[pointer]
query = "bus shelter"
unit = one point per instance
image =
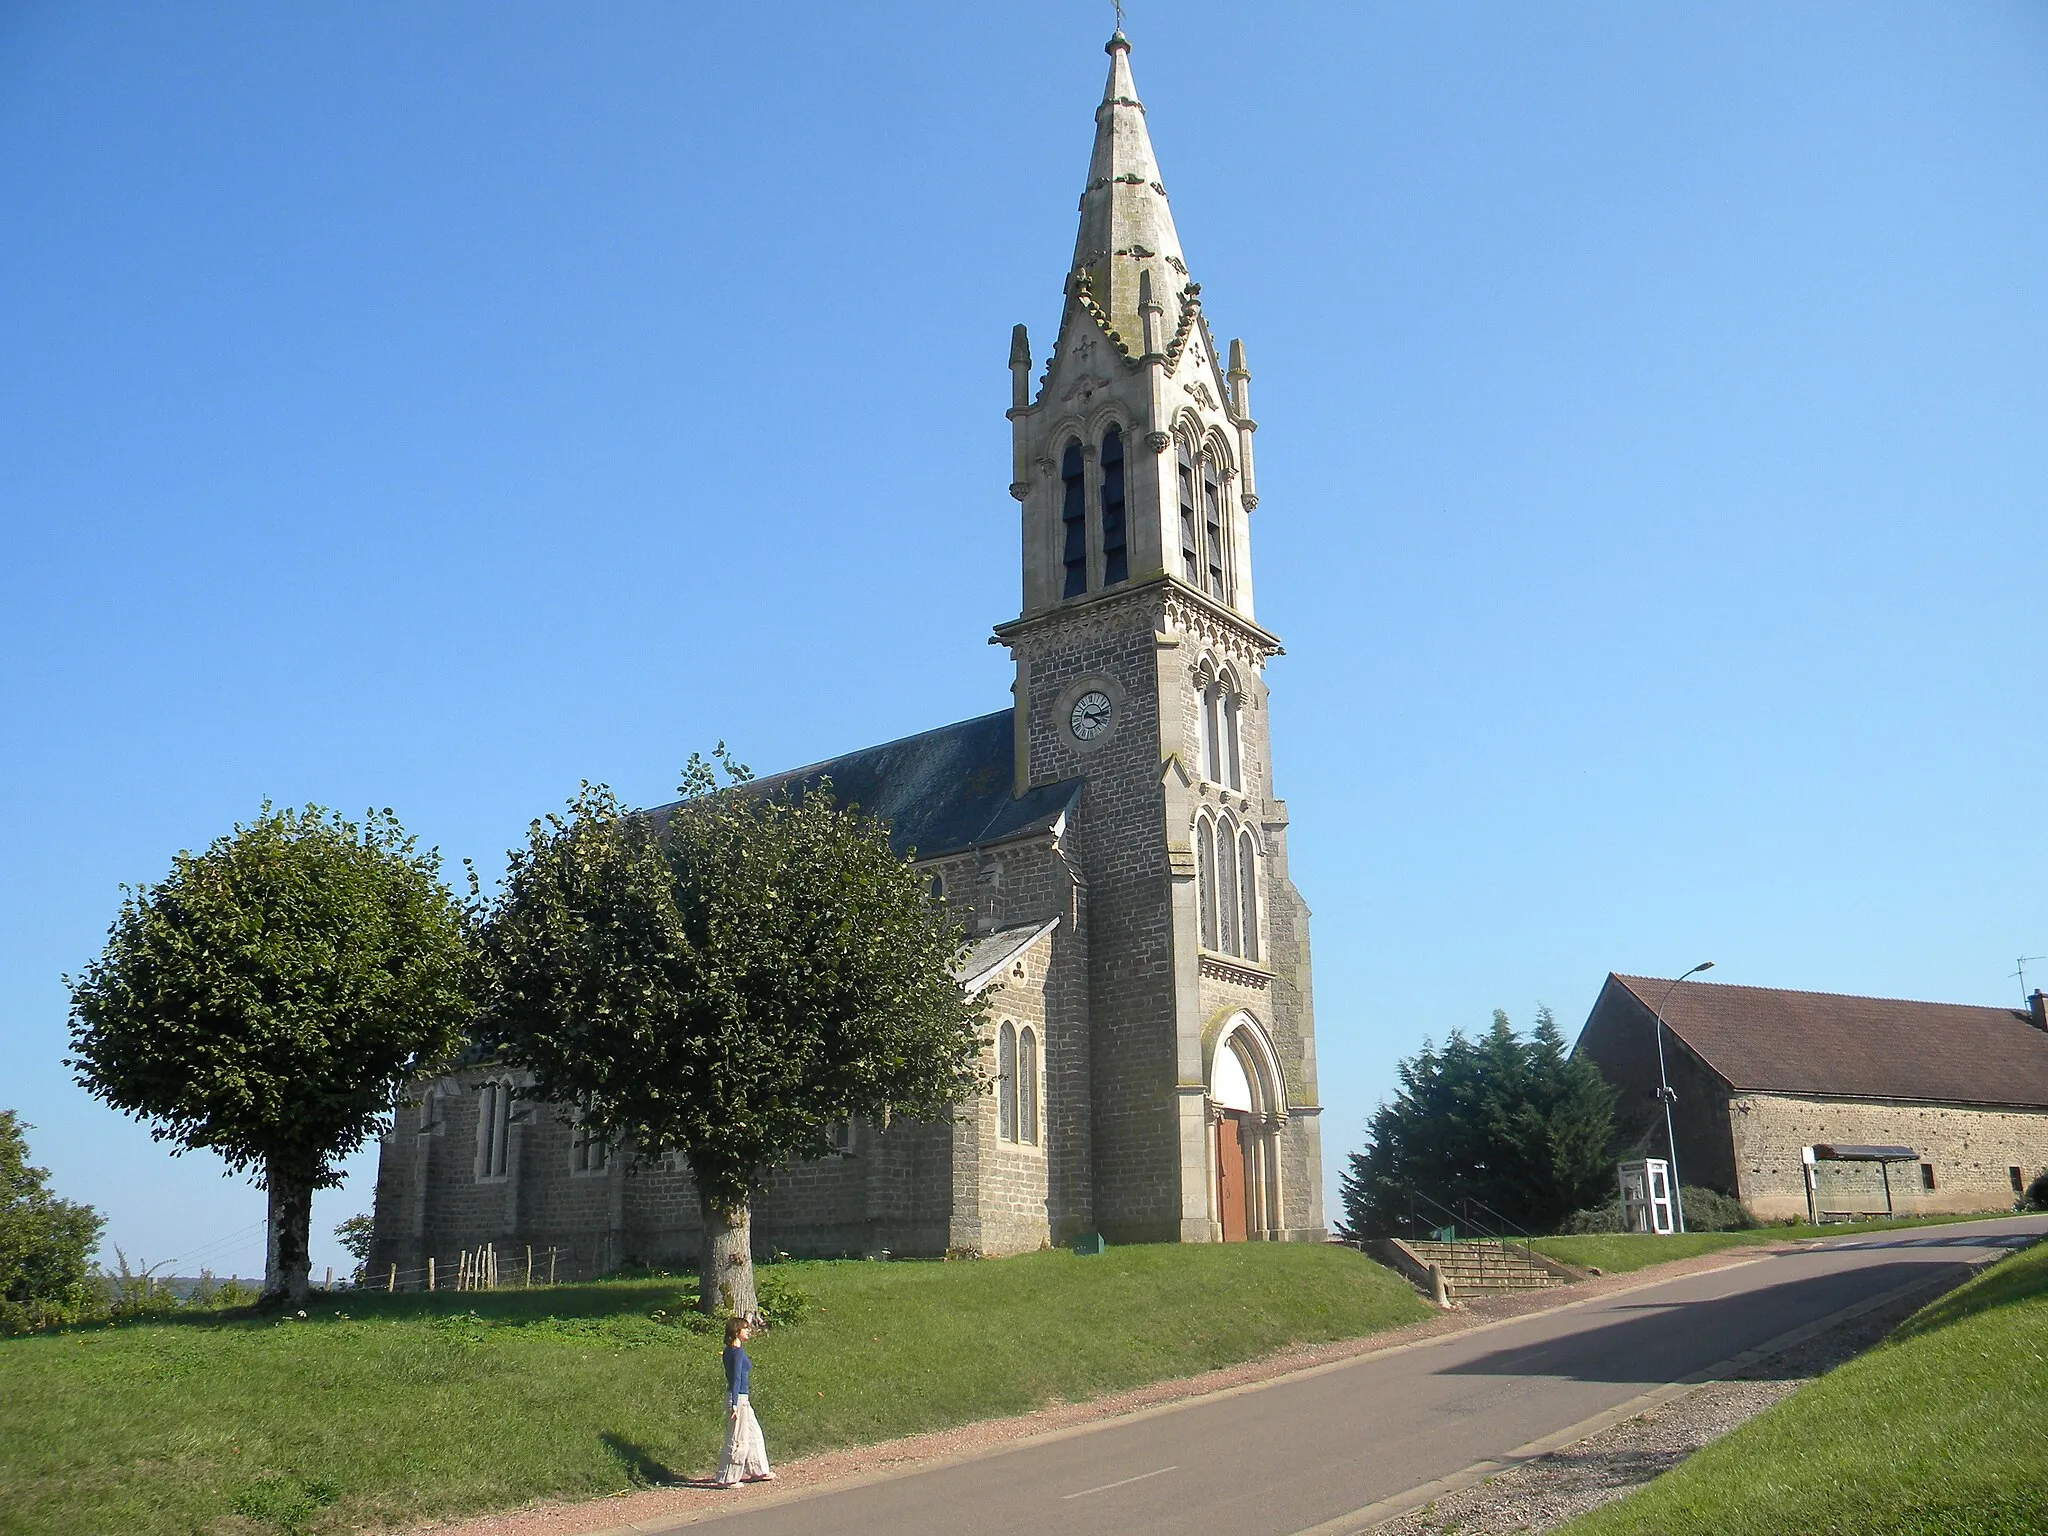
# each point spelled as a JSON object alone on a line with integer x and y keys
{"x": 1845, "y": 1181}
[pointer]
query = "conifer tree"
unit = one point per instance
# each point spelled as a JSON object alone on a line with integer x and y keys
{"x": 1520, "y": 1124}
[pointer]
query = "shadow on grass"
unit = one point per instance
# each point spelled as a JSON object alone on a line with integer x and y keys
{"x": 596, "y": 1300}
{"x": 642, "y": 1468}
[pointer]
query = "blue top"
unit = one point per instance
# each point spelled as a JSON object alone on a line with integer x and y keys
{"x": 737, "y": 1368}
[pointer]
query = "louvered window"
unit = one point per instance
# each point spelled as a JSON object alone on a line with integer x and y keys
{"x": 1116, "y": 565}
{"x": 1190, "y": 536}
{"x": 1074, "y": 518}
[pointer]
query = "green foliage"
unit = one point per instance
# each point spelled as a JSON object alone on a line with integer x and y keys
{"x": 727, "y": 979}
{"x": 2036, "y": 1197}
{"x": 413, "y": 1408}
{"x": 46, "y": 1244}
{"x": 269, "y": 995}
{"x": 783, "y": 1303}
{"x": 1708, "y": 1210}
{"x": 355, "y": 1235}
{"x": 1933, "y": 1433}
{"x": 1593, "y": 1218}
{"x": 1520, "y": 1124}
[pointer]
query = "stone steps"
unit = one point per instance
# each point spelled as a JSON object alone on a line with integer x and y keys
{"x": 1479, "y": 1267}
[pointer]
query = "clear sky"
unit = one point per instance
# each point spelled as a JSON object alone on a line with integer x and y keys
{"x": 433, "y": 406}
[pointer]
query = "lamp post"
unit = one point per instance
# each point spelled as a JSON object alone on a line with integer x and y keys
{"x": 1664, "y": 1092}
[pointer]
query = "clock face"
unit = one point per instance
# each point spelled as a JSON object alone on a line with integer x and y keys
{"x": 1090, "y": 717}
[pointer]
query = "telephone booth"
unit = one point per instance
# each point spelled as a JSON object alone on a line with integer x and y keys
{"x": 1646, "y": 1196}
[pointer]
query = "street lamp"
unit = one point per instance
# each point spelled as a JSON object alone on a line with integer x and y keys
{"x": 1664, "y": 1092}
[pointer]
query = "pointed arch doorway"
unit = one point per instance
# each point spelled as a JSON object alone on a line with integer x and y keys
{"x": 1247, "y": 1109}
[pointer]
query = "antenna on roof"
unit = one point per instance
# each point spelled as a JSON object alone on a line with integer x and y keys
{"x": 2022, "y": 974}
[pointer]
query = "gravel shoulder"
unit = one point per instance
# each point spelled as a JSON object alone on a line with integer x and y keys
{"x": 1544, "y": 1493}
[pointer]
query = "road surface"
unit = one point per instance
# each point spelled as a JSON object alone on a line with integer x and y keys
{"x": 1315, "y": 1452}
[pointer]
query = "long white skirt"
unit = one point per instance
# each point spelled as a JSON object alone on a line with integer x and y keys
{"x": 745, "y": 1455}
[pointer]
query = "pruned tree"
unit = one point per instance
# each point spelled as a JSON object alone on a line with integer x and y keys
{"x": 46, "y": 1243}
{"x": 727, "y": 980}
{"x": 267, "y": 998}
{"x": 1520, "y": 1124}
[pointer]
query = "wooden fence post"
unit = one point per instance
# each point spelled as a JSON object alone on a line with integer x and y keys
{"x": 392, "y": 1283}
{"x": 430, "y": 1271}
{"x": 330, "y": 1277}
{"x": 529, "y": 1266}
{"x": 551, "y": 1264}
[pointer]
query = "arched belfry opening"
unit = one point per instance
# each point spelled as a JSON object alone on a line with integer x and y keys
{"x": 1247, "y": 1109}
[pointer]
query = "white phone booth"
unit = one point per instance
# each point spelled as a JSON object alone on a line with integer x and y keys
{"x": 1646, "y": 1196}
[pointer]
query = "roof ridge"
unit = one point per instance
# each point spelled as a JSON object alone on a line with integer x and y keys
{"x": 875, "y": 746}
{"x": 1855, "y": 997}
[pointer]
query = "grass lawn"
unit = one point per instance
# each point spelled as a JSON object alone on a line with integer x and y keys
{"x": 1616, "y": 1253}
{"x": 1936, "y": 1432}
{"x": 392, "y": 1409}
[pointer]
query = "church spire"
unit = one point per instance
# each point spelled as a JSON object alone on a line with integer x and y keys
{"x": 1127, "y": 233}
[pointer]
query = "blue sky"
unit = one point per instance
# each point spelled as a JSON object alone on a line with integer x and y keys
{"x": 433, "y": 407}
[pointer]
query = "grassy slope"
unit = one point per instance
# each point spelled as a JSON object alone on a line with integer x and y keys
{"x": 1618, "y": 1252}
{"x": 408, "y": 1407}
{"x": 1938, "y": 1430}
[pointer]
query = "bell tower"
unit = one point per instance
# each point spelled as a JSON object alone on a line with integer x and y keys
{"x": 1141, "y": 669}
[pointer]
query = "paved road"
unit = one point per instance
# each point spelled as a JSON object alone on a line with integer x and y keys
{"x": 1297, "y": 1453}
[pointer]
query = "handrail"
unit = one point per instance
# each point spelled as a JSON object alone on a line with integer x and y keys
{"x": 1464, "y": 1214}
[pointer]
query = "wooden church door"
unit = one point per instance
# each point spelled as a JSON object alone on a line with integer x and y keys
{"x": 1230, "y": 1180}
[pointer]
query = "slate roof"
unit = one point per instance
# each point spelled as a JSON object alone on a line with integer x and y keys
{"x": 940, "y": 791}
{"x": 1835, "y": 1046}
{"x": 985, "y": 958}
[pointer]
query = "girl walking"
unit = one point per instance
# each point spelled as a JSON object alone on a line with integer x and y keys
{"x": 745, "y": 1459}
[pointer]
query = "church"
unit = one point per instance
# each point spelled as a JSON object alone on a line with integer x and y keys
{"x": 1111, "y": 843}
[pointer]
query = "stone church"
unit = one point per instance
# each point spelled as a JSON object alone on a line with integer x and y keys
{"x": 1111, "y": 842}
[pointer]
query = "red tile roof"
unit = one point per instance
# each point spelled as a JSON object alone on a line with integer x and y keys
{"x": 1764, "y": 1039}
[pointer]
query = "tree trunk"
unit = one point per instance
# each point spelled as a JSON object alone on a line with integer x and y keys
{"x": 287, "y": 1257}
{"x": 727, "y": 1284}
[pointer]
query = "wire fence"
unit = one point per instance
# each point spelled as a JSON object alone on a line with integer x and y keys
{"x": 482, "y": 1268}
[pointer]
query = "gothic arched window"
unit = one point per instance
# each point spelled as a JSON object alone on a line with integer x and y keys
{"x": 1221, "y": 755}
{"x": 588, "y": 1152}
{"x": 1027, "y": 1086}
{"x": 1190, "y": 535}
{"x": 1228, "y": 705}
{"x": 493, "y": 1129}
{"x": 1226, "y": 890}
{"x": 1212, "y": 510}
{"x": 1116, "y": 565}
{"x": 1248, "y": 893}
{"x": 1074, "y": 519}
{"x": 1205, "y": 878}
{"x": 1006, "y": 1082}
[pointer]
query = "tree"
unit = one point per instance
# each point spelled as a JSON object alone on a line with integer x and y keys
{"x": 1522, "y": 1125}
{"x": 727, "y": 980}
{"x": 266, "y": 999}
{"x": 46, "y": 1244}
{"x": 355, "y": 1236}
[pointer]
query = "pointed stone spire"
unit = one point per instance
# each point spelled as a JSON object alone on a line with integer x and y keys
{"x": 1126, "y": 226}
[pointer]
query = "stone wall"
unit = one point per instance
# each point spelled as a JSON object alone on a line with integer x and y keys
{"x": 1972, "y": 1151}
{"x": 1115, "y": 837}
